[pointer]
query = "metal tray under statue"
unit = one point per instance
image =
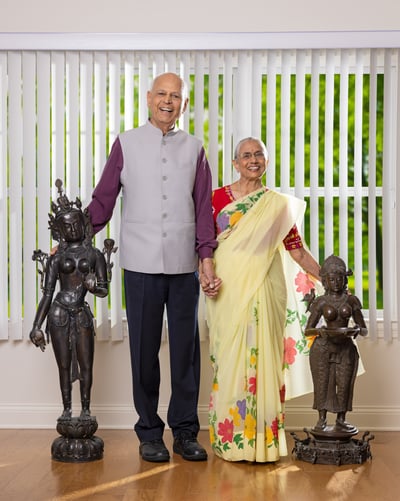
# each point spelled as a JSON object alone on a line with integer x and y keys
{"x": 332, "y": 447}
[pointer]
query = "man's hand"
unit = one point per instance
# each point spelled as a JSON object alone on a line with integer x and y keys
{"x": 209, "y": 282}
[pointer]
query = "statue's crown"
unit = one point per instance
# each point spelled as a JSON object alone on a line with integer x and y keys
{"x": 63, "y": 204}
{"x": 62, "y": 209}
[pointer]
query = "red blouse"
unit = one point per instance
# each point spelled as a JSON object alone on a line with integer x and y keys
{"x": 224, "y": 196}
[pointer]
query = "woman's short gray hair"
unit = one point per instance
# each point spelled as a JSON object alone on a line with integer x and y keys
{"x": 250, "y": 138}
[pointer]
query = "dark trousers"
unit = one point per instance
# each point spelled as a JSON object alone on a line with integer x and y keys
{"x": 146, "y": 296}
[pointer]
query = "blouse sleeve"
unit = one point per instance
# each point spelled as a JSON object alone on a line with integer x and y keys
{"x": 220, "y": 198}
{"x": 293, "y": 239}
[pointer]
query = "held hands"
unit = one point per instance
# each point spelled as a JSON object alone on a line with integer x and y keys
{"x": 208, "y": 281}
{"x": 37, "y": 337}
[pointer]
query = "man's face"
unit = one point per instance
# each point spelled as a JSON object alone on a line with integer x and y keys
{"x": 166, "y": 101}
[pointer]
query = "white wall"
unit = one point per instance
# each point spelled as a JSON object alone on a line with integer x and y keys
{"x": 29, "y": 391}
{"x": 127, "y": 16}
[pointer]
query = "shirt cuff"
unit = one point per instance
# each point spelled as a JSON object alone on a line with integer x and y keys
{"x": 205, "y": 252}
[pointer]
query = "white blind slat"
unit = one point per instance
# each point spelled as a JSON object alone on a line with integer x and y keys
{"x": 15, "y": 215}
{"x": 3, "y": 199}
{"x": 256, "y": 93}
{"x": 86, "y": 128}
{"x": 199, "y": 95}
{"x": 343, "y": 156}
{"x": 397, "y": 226}
{"x": 227, "y": 126}
{"x": 86, "y": 136}
{"x": 114, "y": 128}
{"x": 29, "y": 180}
{"x": 58, "y": 122}
{"x": 372, "y": 212}
{"x": 145, "y": 77}
{"x": 169, "y": 62}
{"x": 358, "y": 175}
{"x": 129, "y": 76}
{"x": 328, "y": 156}
{"x": 285, "y": 121}
{"x": 100, "y": 149}
{"x": 387, "y": 198}
{"x": 242, "y": 106}
{"x": 72, "y": 166}
{"x": 213, "y": 111}
{"x": 299, "y": 124}
{"x": 185, "y": 70}
{"x": 43, "y": 148}
{"x": 314, "y": 154}
{"x": 271, "y": 117}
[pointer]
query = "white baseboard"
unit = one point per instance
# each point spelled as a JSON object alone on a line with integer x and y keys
{"x": 364, "y": 418}
{"x": 124, "y": 417}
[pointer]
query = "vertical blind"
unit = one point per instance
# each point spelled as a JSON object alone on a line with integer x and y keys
{"x": 328, "y": 118}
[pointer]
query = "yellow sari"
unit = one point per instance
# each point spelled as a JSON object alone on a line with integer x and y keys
{"x": 250, "y": 356}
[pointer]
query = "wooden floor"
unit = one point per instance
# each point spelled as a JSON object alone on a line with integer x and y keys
{"x": 27, "y": 473}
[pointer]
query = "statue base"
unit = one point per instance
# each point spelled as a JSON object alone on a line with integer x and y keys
{"x": 332, "y": 447}
{"x": 77, "y": 442}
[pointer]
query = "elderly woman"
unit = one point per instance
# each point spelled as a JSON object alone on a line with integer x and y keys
{"x": 256, "y": 227}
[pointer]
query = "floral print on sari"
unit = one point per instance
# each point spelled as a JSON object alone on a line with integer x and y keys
{"x": 256, "y": 329}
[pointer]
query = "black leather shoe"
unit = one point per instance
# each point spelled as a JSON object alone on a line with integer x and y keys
{"x": 189, "y": 448}
{"x": 154, "y": 451}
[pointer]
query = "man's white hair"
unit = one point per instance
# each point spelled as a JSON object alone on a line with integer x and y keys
{"x": 184, "y": 87}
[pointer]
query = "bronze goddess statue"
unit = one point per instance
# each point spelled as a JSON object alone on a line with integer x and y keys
{"x": 80, "y": 268}
{"x": 333, "y": 355}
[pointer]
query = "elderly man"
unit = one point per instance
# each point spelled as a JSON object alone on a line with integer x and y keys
{"x": 166, "y": 228}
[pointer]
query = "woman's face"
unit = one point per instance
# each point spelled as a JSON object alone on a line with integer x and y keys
{"x": 251, "y": 162}
{"x": 71, "y": 227}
